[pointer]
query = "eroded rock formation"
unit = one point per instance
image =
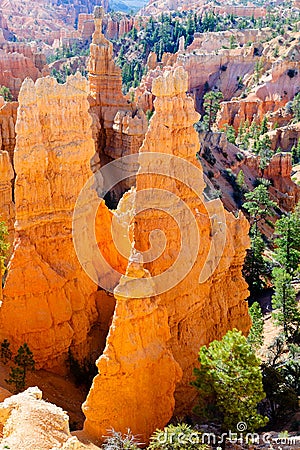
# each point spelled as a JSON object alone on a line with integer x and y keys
{"x": 18, "y": 61}
{"x": 48, "y": 299}
{"x": 8, "y": 118}
{"x": 30, "y": 423}
{"x": 137, "y": 372}
{"x": 122, "y": 126}
{"x": 269, "y": 97}
{"x": 7, "y": 212}
{"x": 155, "y": 295}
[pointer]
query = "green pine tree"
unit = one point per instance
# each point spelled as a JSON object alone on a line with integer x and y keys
{"x": 211, "y": 106}
{"x": 285, "y": 304}
{"x": 256, "y": 335}
{"x": 229, "y": 382}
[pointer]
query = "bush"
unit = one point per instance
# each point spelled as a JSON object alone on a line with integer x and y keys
{"x": 281, "y": 399}
{"x": 229, "y": 382}
{"x": 176, "y": 437}
{"x": 119, "y": 441}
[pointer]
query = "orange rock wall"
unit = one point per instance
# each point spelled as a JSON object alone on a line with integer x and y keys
{"x": 48, "y": 299}
{"x": 137, "y": 372}
{"x": 7, "y": 212}
{"x": 8, "y": 118}
{"x": 198, "y": 313}
{"x": 121, "y": 126}
{"x": 18, "y": 61}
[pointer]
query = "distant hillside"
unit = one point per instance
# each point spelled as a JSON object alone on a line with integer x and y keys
{"x": 126, "y": 5}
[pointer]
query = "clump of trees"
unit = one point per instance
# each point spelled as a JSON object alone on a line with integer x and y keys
{"x": 254, "y": 137}
{"x": 281, "y": 371}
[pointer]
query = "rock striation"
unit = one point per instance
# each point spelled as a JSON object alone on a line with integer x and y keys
{"x": 162, "y": 311}
{"x": 18, "y": 61}
{"x": 48, "y": 299}
{"x": 8, "y": 118}
{"x": 269, "y": 97}
{"x": 7, "y": 210}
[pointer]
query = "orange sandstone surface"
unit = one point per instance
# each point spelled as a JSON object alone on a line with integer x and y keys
{"x": 178, "y": 287}
{"x": 48, "y": 299}
{"x": 163, "y": 314}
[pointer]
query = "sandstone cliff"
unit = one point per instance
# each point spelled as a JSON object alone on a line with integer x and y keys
{"x": 226, "y": 70}
{"x": 18, "y": 61}
{"x": 155, "y": 7}
{"x": 161, "y": 287}
{"x": 48, "y": 299}
{"x": 121, "y": 126}
{"x": 8, "y": 118}
{"x": 137, "y": 373}
{"x": 269, "y": 97}
{"x": 7, "y": 212}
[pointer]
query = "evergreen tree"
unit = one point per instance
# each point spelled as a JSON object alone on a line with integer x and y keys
{"x": 211, "y": 106}
{"x": 24, "y": 361}
{"x": 256, "y": 335}
{"x": 229, "y": 382}
{"x": 230, "y": 133}
{"x": 6, "y": 94}
{"x": 287, "y": 253}
{"x": 285, "y": 303}
{"x": 296, "y": 153}
{"x": 259, "y": 206}
{"x": 6, "y": 353}
{"x": 296, "y": 107}
{"x": 256, "y": 269}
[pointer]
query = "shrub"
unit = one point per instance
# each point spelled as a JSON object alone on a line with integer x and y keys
{"x": 229, "y": 382}
{"x": 281, "y": 398}
{"x": 176, "y": 437}
{"x": 6, "y": 353}
{"x": 24, "y": 361}
{"x": 6, "y": 94}
{"x": 119, "y": 441}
